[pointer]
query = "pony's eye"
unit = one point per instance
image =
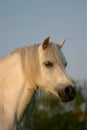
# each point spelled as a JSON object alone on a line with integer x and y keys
{"x": 48, "y": 64}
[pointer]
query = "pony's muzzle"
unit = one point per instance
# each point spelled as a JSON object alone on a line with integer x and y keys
{"x": 67, "y": 94}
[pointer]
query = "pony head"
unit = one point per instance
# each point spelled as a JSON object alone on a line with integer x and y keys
{"x": 52, "y": 77}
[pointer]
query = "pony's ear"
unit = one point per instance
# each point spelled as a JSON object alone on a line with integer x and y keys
{"x": 46, "y": 43}
{"x": 60, "y": 44}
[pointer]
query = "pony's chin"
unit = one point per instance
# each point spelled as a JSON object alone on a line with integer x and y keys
{"x": 65, "y": 100}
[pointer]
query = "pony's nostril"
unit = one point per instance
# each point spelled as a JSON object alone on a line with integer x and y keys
{"x": 68, "y": 90}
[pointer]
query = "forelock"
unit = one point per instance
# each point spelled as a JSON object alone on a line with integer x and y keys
{"x": 62, "y": 57}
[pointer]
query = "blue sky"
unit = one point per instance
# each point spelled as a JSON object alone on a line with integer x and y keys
{"x": 25, "y": 22}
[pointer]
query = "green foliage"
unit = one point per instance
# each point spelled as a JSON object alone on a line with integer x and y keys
{"x": 66, "y": 121}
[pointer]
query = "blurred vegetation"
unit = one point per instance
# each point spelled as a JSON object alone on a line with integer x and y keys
{"x": 51, "y": 114}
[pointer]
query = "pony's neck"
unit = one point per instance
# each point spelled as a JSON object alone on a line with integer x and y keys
{"x": 30, "y": 63}
{"x": 29, "y": 56}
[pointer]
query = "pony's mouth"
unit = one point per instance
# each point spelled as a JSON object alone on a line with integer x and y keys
{"x": 66, "y": 99}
